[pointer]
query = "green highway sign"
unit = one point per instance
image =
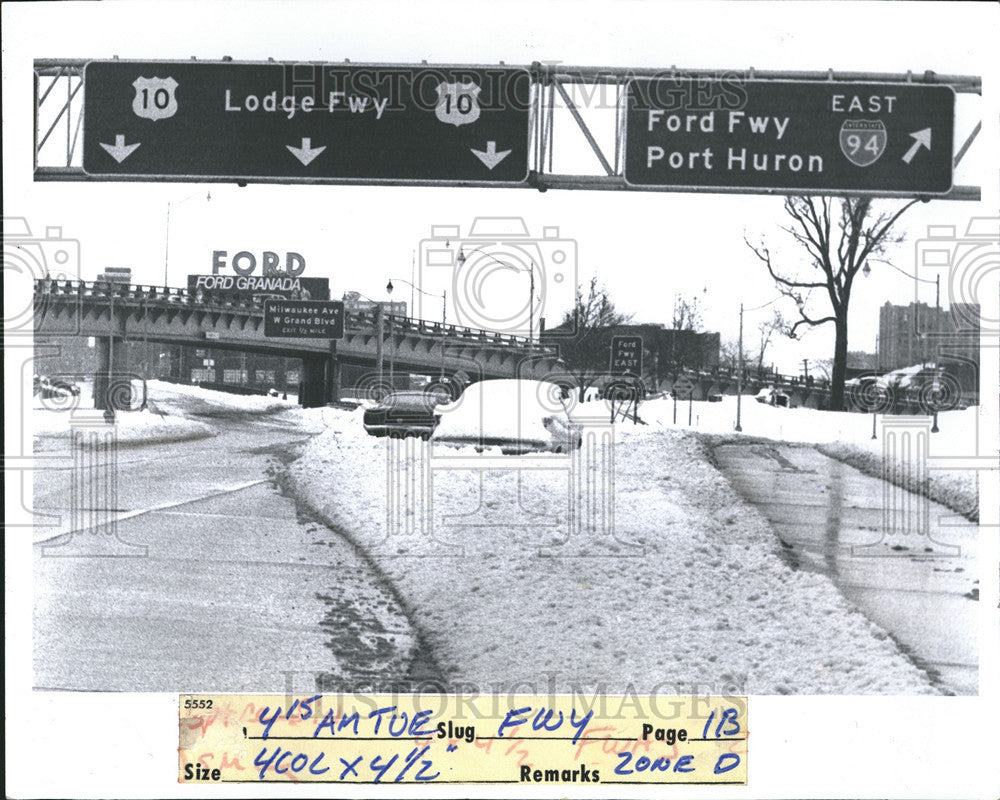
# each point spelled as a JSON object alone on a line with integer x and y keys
{"x": 336, "y": 123}
{"x": 789, "y": 136}
{"x": 626, "y": 355}
{"x": 304, "y": 319}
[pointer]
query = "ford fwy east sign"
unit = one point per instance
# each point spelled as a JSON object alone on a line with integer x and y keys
{"x": 792, "y": 136}
{"x": 306, "y": 122}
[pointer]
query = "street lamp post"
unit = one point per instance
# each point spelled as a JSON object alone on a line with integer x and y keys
{"x": 109, "y": 403}
{"x": 866, "y": 270}
{"x": 739, "y": 377}
{"x": 444, "y": 309}
{"x": 166, "y": 249}
{"x": 739, "y": 372}
{"x": 531, "y": 287}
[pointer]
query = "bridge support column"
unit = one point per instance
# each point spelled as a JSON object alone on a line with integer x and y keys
{"x": 333, "y": 374}
{"x": 312, "y": 391}
{"x": 112, "y": 383}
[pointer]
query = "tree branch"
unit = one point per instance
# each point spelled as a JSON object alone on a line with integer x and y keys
{"x": 812, "y": 323}
{"x": 765, "y": 257}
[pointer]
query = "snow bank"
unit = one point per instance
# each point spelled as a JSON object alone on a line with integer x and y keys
{"x": 687, "y": 589}
{"x": 954, "y": 489}
{"x": 845, "y": 436}
{"x": 183, "y": 400}
{"x": 168, "y": 417}
{"x": 131, "y": 427}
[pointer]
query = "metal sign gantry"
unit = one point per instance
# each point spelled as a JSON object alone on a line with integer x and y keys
{"x": 750, "y": 132}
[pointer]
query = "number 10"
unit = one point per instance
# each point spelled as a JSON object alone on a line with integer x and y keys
{"x": 161, "y": 98}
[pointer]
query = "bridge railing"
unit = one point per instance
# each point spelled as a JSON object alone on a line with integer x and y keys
{"x": 751, "y": 377}
{"x": 147, "y": 294}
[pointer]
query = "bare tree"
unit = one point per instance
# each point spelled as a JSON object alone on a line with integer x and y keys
{"x": 687, "y": 314}
{"x": 767, "y": 329}
{"x": 822, "y": 368}
{"x": 729, "y": 355}
{"x": 586, "y": 353}
{"x": 838, "y": 242}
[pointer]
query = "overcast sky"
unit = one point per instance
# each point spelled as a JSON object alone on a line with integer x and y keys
{"x": 645, "y": 247}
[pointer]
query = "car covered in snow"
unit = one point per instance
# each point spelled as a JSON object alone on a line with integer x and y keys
{"x": 771, "y": 396}
{"x": 516, "y": 416}
{"x": 402, "y": 414}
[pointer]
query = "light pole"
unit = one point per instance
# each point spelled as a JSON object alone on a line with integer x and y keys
{"x": 867, "y": 270}
{"x": 166, "y": 249}
{"x": 377, "y": 314}
{"x": 739, "y": 372}
{"x": 444, "y": 308}
{"x": 739, "y": 377}
{"x": 462, "y": 258}
{"x": 109, "y": 402}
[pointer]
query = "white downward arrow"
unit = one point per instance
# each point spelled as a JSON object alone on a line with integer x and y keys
{"x": 491, "y": 157}
{"x": 119, "y": 151}
{"x": 922, "y": 139}
{"x": 306, "y": 153}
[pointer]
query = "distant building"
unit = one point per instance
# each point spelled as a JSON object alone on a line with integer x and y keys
{"x": 354, "y": 302}
{"x": 116, "y": 275}
{"x": 918, "y": 333}
{"x": 860, "y": 363}
{"x": 665, "y": 351}
{"x": 921, "y": 334}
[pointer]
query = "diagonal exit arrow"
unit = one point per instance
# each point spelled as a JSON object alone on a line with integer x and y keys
{"x": 922, "y": 138}
{"x": 306, "y": 153}
{"x": 119, "y": 151}
{"x": 491, "y": 157}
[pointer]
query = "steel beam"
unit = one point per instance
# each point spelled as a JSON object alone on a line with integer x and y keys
{"x": 547, "y": 79}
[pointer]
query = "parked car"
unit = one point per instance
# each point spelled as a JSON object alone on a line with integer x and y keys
{"x": 517, "y": 416}
{"x": 402, "y": 414}
{"x": 772, "y": 397}
{"x": 55, "y": 387}
{"x": 65, "y": 384}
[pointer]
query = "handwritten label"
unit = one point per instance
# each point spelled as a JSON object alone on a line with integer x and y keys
{"x": 450, "y": 739}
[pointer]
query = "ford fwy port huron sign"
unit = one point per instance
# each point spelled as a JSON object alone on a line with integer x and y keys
{"x": 304, "y": 319}
{"x": 306, "y": 122}
{"x": 790, "y": 136}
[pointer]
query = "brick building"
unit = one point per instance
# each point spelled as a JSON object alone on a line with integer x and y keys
{"x": 921, "y": 334}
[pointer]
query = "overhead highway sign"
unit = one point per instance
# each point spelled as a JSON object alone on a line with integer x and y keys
{"x": 789, "y": 136}
{"x": 306, "y": 122}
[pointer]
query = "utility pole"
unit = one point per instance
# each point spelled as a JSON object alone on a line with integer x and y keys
{"x": 531, "y": 307}
{"x": 739, "y": 376}
{"x": 392, "y": 348}
{"x": 379, "y": 333}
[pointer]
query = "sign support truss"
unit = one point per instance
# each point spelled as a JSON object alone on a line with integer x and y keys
{"x": 590, "y": 148}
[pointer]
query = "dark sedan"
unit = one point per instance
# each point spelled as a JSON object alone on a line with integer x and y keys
{"x": 403, "y": 414}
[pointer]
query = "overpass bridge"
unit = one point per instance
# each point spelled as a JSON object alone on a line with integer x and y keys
{"x": 116, "y": 313}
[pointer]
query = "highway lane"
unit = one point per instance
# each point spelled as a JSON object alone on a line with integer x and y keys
{"x": 829, "y": 518}
{"x": 213, "y": 580}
